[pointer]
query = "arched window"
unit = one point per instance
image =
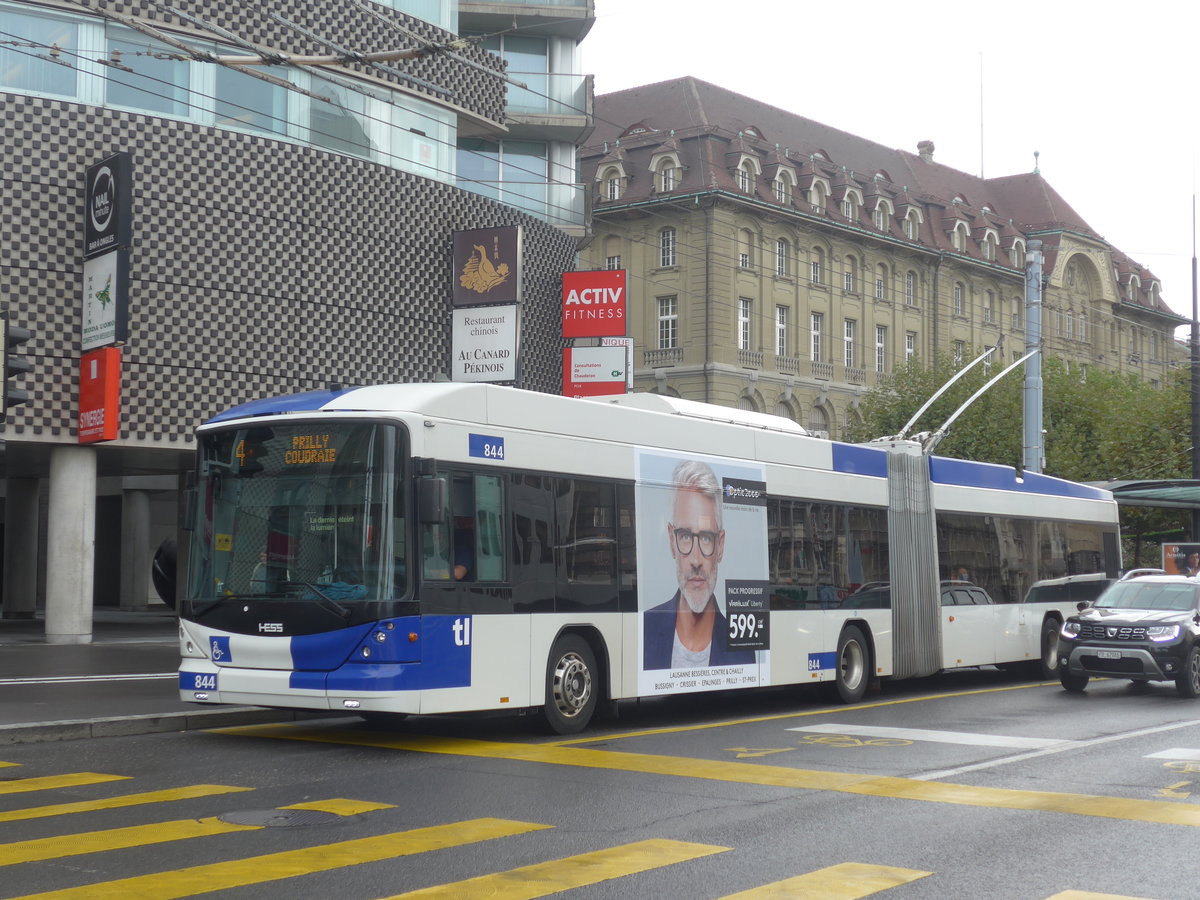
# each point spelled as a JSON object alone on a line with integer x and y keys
{"x": 745, "y": 176}
{"x": 816, "y": 196}
{"x": 781, "y": 187}
{"x": 611, "y": 183}
{"x": 1018, "y": 254}
{"x": 668, "y": 175}
{"x": 911, "y": 225}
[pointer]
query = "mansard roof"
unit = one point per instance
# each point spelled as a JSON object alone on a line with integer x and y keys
{"x": 716, "y": 121}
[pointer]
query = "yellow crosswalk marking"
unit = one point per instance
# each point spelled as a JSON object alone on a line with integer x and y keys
{"x": 5, "y": 765}
{"x": 156, "y": 833}
{"x": 1161, "y": 812}
{"x": 341, "y": 807}
{"x": 61, "y": 809}
{"x": 548, "y": 878}
{"x": 1088, "y": 895}
{"x": 61, "y": 846}
{"x": 847, "y": 881}
{"x": 51, "y": 782}
{"x": 289, "y": 863}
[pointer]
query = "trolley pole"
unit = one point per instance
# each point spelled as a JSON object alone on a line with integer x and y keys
{"x": 1033, "y": 366}
{"x": 1195, "y": 367}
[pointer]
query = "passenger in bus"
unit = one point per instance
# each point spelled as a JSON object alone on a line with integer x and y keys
{"x": 464, "y": 548}
{"x": 689, "y": 630}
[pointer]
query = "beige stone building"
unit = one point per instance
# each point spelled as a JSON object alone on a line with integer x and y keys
{"x": 780, "y": 265}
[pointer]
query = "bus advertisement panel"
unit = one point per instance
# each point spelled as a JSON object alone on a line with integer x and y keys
{"x": 701, "y": 543}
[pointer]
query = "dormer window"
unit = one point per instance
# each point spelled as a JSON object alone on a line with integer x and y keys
{"x": 958, "y": 237}
{"x": 612, "y": 183}
{"x": 883, "y": 215}
{"x": 745, "y": 176}
{"x": 817, "y": 195}
{"x": 1135, "y": 288}
{"x": 849, "y": 210}
{"x": 781, "y": 187}
{"x": 667, "y": 172}
{"x": 989, "y": 247}
{"x": 1017, "y": 257}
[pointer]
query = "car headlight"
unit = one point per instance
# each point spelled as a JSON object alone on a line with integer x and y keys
{"x": 1162, "y": 633}
{"x": 1070, "y": 630}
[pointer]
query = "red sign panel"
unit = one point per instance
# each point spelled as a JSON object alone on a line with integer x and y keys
{"x": 594, "y": 303}
{"x": 100, "y": 395}
{"x": 593, "y": 371}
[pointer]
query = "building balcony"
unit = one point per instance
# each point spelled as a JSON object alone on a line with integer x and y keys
{"x": 788, "y": 365}
{"x": 856, "y": 376}
{"x": 567, "y": 18}
{"x": 750, "y": 359}
{"x": 822, "y": 371}
{"x": 550, "y": 106}
{"x": 658, "y": 359}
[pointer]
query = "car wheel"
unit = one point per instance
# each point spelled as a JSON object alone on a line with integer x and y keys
{"x": 1073, "y": 683}
{"x": 570, "y": 685}
{"x": 853, "y": 661}
{"x": 1048, "y": 663}
{"x": 1188, "y": 682}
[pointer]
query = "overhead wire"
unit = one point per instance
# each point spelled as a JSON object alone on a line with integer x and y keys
{"x": 693, "y": 254}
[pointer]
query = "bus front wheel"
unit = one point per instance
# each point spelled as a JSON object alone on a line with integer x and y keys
{"x": 570, "y": 685}
{"x": 853, "y": 665}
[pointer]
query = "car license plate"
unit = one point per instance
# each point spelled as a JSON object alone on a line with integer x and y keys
{"x": 1109, "y": 654}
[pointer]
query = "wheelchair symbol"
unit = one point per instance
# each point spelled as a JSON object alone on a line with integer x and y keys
{"x": 217, "y": 652}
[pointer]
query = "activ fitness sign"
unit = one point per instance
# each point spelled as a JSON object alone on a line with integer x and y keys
{"x": 594, "y": 303}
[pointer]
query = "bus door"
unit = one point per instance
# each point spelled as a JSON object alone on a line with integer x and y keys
{"x": 968, "y": 627}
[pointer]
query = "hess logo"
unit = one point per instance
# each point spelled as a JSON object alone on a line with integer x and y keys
{"x": 270, "y": 628}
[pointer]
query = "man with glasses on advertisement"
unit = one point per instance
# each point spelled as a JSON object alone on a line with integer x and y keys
{"x": 689, "y": 631}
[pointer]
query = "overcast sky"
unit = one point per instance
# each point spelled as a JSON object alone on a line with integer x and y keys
{"x": 1105, "y": 91}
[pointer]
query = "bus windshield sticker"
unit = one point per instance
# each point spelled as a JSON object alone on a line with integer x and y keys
{"x": 486, "y": 446}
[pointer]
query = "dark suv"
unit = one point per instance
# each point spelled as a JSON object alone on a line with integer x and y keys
{"x": 1145, "y": 628}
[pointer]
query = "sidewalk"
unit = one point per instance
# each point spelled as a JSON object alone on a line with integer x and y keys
{"x": 124, "y": 682}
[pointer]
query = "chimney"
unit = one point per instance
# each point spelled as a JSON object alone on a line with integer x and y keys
{"x": 925, "y": 149}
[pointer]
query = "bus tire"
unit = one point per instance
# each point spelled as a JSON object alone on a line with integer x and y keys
{"x": 852, "y": 672}
{"x": 571, "y": 685}
{"x": 1048, "y": 663}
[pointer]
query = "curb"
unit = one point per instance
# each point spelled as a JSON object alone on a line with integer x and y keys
{"x": 154, "y": 723}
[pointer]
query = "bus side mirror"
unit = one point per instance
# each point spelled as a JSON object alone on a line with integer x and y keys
{"x": 431, "y": 500}
{"x": 187, "y": 510}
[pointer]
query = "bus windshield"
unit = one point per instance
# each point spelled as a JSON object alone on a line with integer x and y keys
{"x": 308, "y": 511}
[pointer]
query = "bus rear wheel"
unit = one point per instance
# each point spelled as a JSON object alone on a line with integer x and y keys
{"x": 853, "y": 658}
{"x": 570, "y": 685}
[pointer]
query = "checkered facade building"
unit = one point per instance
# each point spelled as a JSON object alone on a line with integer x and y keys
{"x": 258, "y": 266}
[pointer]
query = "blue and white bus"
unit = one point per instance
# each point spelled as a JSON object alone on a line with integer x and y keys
{"x": 436, "y": 548}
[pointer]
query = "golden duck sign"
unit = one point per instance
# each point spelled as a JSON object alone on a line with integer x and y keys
{"x": 487, "y": 266}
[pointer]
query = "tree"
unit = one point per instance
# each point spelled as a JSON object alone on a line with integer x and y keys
{"x": 1099, "y": 426}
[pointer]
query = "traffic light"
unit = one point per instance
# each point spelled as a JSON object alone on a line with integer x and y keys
{"x": 13, "y": 366}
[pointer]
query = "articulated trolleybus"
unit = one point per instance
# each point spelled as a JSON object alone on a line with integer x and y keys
{"x": 437, "y": 548}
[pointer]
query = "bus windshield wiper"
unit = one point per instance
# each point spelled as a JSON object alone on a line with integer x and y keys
{"x": 322, "y": 598}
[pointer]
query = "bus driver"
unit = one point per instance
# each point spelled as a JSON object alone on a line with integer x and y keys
{"x": 689, "y": 631}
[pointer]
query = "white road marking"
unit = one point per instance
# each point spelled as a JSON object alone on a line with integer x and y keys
{"x": 84, "y": 679}
{"x": 1067, "y": 745}
{"x": 939, "y": 737}
{"x": 1175, "y": 753}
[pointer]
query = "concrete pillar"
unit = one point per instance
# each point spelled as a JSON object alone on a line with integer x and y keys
{"x": 71, "y": 545}
{"x": 21, "y": 548}
{"x": 135, "y": 550}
